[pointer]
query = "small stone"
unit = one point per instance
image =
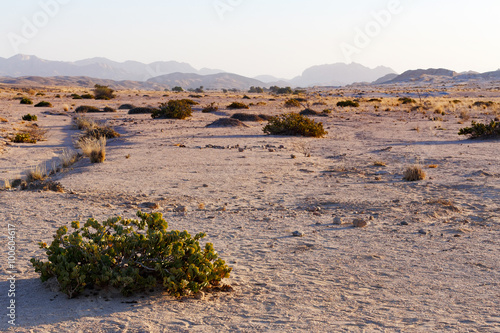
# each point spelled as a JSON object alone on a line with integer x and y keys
{"x": 423, "y": 232}
{"x": 338, "y": 220}
{"x": 404, "y": 223}
{"x": 317, "y": 214}
{"x": 241, "y": 150}
{"x": 297, "y": 234}
{"x": 205, "y": 185}
{"x": 359, "y": 223}
{"x": 180, "y": 209}
{"x": 150, "y": 205}
{"x": 371, "y": 218}
{"x": 199, "y": 295}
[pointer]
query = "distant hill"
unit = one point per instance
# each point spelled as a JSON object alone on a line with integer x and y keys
{"x": 422, "y": 75}
{"x": 101, "y": 68}
{"x": 339, "y": 74}
{"x": 214, "y": 81}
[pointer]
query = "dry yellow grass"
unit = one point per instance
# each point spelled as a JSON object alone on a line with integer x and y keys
{"x": 39, "y": 172}
{"x": 414, "y": 173}
{"x": 93, "y": 148}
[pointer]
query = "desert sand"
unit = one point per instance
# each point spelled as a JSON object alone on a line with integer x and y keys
{"x": 426, "y": 262}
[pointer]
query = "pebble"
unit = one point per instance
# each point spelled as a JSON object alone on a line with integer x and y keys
{"x": 404, "y": 223}
{"x": 297, "y": 234}
{"x": 150, "y": 205}
{"x": 180, "y": 209}
{"x": 423, "y": 232}
{"x": 359, "y": 223}
{"x": 338, "y": 220}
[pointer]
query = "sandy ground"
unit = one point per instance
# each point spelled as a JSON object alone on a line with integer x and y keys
{"x": 427, "y": 261}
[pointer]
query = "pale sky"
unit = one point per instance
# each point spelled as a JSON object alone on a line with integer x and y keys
{"x": 254, "y": 37}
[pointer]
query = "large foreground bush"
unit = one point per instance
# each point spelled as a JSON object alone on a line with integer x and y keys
{"x": 131, "y": 255}
{"x": 294, "y": 124}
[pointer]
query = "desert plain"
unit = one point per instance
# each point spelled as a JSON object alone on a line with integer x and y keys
{"x": 278, "y": 209}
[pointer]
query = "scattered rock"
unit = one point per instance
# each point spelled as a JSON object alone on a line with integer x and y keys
{"x": 404, "y": 223}
{"x": 199, "y": 295}
{"x": 424, "y": 232}
{"x": 297, "y": 234}
{"x": 150, "y": 205}
{"x": 359, "y": 223}
{"x": 338, "y": 220}
{"x": 181, "y": 209}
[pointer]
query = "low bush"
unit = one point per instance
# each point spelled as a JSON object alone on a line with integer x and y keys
{"x": 247, "y": 117}
{"x": 281, "y": 91}
{"x": 478, "y": 130}
{"x": 237, "y": 105}
{"x": 258, "y": 90}
{"x": 348, "y": 103}
{"x": 87, "y": 109}
{"x": 294, "y": 124}
{"x": 407, "y": 100}
{"x": 132, "y": 255}
{"x": 43, "y": 104}
{"x": 108, "y": 109}
{"x": 210, "y": 108}
{"x": 23, "y": 138}
{"x": 26, "y": 100}
{"x": 484, "y": 104}
{"x": 126, "y": 107}
{"x": 94, "y": 148}
{"x": 76, "y": 96}
{"x": 142, "y": 110}
{"x": 413, "y": 173}
{"x": 177, "y": 89}
{"x": 87, "y": 96}
{"x": 103, "y": 92}
{"x": 175, "y": 109}
{"x": 292, "y": 103}
{"x": 245, "y": 97}
{"x": 30, "y": 117}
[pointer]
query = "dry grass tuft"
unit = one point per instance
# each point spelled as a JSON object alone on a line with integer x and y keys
{"x": 379, "y": 164}
{"x": 93, "y": 148}
{"x": 68, "y": 157}
{"x": 37, "y": 173}
{"x": 414, "y": 173}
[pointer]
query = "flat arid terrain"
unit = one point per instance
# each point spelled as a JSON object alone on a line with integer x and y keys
{"x": 280, "y": 210}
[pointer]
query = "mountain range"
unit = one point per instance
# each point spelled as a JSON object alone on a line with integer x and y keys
{"x": 31, "y": 70}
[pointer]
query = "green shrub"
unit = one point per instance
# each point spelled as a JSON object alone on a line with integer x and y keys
{"x": 76, "y": 96}
{"x": 237, "y": 105}
{"x": 292, "y": 103}
{"x": 195, "y": 96}
{"x": 348, "y": 103}
{"x": 281, "y": 91}
{"x": 30, "y": 117}
{"x": 189, "y": 101}
{"x": 378, "y": 100}
{"x": 177, "y": 89}
{"x": 26, "y": 100}
{"x": 407, "y": 100}
{"x": 87, "y": 108}
{"x": 310, "y": 112}
{"x": 108, "y": 109}
{"x": 23, "y": 138}
{"x": 478, "y": 130}
{"x": 43, "y": 104}
{"x": 176, "y": 109}
{"x": 87, "y": 96}
{"x": 103, "y": 92}
{"x": 294, "y": 124}
{"x": 210, "y": 108}
{"x": 132, "y": 255}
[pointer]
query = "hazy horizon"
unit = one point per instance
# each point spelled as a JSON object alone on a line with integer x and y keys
{"x": 258, "y": 38}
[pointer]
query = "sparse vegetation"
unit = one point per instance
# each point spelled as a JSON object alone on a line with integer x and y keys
{"x": 281, "y": 91}
{"x": 126, "y": 107}
{"x": 30, "y": 117}
{"x": 142, "y": 110}
{"x": 87, "y": 109}
{"x": 94, "y": 148}
{"x": 174, "y": 109}
{"x": 108, "y": 109}
{"x": 348, "y": 103}
{"x": 247, "y": 117}
{"x": 132, "y": 255}
{"x": 31, "y": 134}
{"x": 103, "y": 92}
{"x": 43, "y": 104}
{"x": 68, "y": 158}
{"x": 88, "y": 96}
{"x": 414, "y": 173}
{"x": 407, "y": 100}
{"x": 479, "y": 130}
{"x": 76, "y": 96}
{"x": 483, "y": 104}
{"x": 237, "y": 105}
{"x": 294, "y": 124}
{"x": 257, "y": 90}
{"x": 26, "y": 100}
{"x": 292, "y": 103}
{"x": 177, "y": 89}
{"x": 210, "y": 108}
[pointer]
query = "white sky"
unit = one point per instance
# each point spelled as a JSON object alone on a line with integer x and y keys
{"x": 254, "y": 37}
